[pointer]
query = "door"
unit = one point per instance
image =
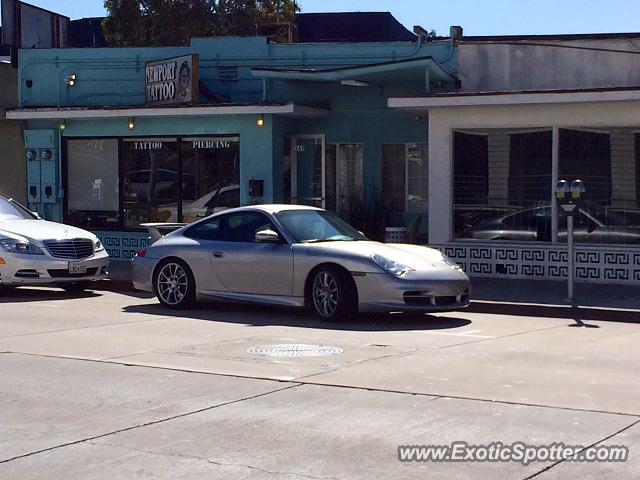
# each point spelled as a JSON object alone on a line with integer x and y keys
{"x": 246, "y": 266}
{"x": 308, "y": 170}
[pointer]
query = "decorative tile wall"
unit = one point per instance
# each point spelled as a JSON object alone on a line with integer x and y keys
{"x": 122, "y": 246}
{"x": 592, "y": 264}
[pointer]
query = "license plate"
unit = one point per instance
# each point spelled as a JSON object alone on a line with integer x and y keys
{"x": 77, "y": 268}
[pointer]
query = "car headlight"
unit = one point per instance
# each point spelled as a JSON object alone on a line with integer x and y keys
{"x": 394, "y": 268}
{"x": 97, "y": 246}
{"x": 21, "y": 247}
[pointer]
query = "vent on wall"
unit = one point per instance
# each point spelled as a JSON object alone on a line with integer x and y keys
{"x": 228, "y": 74}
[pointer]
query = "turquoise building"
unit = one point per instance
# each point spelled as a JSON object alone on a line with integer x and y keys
{"x": 119, "y": 137}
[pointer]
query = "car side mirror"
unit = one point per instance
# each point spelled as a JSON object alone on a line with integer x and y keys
{"x": 37, "y": 215}
{"x": 267, "y": 236}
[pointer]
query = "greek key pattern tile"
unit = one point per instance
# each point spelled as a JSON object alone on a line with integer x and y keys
{"x": 122, "y": 246}
{"x": 592, "y": 264}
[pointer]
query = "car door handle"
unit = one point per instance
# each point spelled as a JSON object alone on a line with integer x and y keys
{"x": 218, "y": 254}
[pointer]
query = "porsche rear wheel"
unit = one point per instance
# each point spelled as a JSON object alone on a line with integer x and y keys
{"x": 174, "y": 284}
{"x": 332, "y": 294}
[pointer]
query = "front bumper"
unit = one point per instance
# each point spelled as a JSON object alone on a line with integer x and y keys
{"x": 36, "y": 270}
{"x": 382, "y": 292}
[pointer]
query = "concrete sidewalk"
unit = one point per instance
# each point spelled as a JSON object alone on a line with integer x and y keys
{"x": 546, "y": 298}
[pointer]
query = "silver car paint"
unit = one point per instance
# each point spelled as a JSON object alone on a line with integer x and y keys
{"x": 277, "y": 273}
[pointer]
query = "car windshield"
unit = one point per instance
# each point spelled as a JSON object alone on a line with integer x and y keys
{"x": 309, "y": 226}
{"x": 12, "y": 210}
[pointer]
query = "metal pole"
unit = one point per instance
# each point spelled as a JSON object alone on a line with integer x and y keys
{"x": 570, "y": 257}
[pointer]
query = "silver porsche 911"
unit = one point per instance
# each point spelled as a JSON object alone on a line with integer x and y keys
{"x": 296, "y": 256}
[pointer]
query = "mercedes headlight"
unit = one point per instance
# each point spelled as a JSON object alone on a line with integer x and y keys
{"x": 97, "y": 246}
{"x": 394, "y": 268}
{"x": 21, "y": 247}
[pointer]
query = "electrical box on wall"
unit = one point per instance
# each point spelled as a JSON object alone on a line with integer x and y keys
{"x": 42, "y": 167}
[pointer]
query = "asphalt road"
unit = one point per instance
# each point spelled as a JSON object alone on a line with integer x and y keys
{"x": 112, "y": 386}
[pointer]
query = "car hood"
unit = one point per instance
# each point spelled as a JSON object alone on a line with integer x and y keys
{"x": 417, "y": 257}
{"x": 40, "y": 230}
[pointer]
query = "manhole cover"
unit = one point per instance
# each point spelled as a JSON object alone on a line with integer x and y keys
{"x": 295, "y": 350}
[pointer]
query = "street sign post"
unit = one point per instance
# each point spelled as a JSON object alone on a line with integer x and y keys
{"x": 569, "y": 199}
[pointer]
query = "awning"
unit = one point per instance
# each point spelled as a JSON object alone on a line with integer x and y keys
{"x": 64, "y": 113}
{"x": 411, "y": 70}
{"x": 485, "y": 99}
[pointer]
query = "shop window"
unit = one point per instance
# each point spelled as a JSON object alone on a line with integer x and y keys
{"x": 405, "y": 178}
{"x": 343, "y": 178}
{"x": 210, "y": 175}
{"x": 586, "y": 155}
{"x": 607, "y": 162}
{"x": 471, "y": 163}
{"x": 150, "y": 180}
{"x": 93, "y": 184}
{"x": 502, "y": 185}
{"x": 530, "y": 167}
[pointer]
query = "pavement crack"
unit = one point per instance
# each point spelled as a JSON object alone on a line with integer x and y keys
{"x": 500, "y": 337}
{"x": 150, "y": 423}
{"x": 549, "y": 467}
{"x": 102, "y": 325}
{"x": 209, "y": 460}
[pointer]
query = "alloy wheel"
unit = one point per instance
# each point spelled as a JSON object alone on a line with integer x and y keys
{"x": 325, "y": 294}
{"x": 172, "y": 283}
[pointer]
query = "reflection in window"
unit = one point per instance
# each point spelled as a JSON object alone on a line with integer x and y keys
{"x": 150, "y": 176}
{"x": 343, "y": 177}
{"x": 210, "y": 176}
{"x": 606, "y": 161}
{"x": 502, "y": 185}
{"x": 92, "y": 184}
{"x": 243, "y": 226}
{"x": 405, "y": 177}
{"x": 586, "y": 155}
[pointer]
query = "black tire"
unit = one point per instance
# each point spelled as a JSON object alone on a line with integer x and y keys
{"x": 332, "y": 295}
{"x": 5, "y": 290}
{"x": 174, "y": 285}
{"x": 76, "y": 287}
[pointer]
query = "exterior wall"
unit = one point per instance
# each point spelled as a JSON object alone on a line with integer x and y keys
{"x": 512, "y": 259}
{"x": 548, "y": 64}
{"x": 13, "y": 167}
{"x": 115, "y": 77}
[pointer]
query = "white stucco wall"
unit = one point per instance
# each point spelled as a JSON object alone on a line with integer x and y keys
{"x": 548, "y": 64}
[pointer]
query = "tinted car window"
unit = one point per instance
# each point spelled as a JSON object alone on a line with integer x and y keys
{"x": 243, "y": 226}
{"x": 207, "y": 230}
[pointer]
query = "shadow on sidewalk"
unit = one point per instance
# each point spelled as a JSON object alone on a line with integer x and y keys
{"x": 267, "y": 315}
{"x": 573, "y": 312}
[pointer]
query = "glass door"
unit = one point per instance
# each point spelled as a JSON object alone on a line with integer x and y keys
{"x": 308, "y": 170}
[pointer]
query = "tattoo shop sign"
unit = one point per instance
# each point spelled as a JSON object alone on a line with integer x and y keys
{"x": 174, "y": 80}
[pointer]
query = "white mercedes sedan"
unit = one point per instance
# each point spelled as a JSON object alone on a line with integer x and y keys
{"x": 37, "y": 252}
{"x": 296, "y": 256}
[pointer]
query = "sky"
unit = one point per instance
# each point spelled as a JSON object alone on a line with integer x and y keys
{"x": 477, "y": 17}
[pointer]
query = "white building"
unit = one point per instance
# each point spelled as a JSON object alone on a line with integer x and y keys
{"x": 531, "y": 111}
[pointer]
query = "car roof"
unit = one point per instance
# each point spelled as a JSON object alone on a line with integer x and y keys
{"x": 273, "y": 208}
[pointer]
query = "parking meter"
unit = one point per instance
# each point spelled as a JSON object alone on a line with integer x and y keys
{"x": 564, "y": 197}
{"x": 577, "y": 192}
{"x": 569, "y": 199}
